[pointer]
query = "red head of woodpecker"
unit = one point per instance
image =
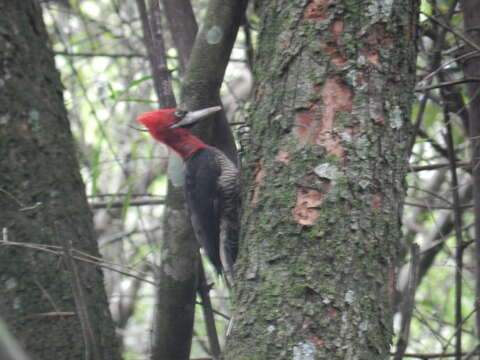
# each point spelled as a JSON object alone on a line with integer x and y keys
{"x": 172, "y": 127}
{"x": 211, "y": 182}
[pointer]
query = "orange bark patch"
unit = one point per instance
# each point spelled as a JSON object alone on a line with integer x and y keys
{"x": 337, "y": 29}
{"x": 329, "y": 50}
{"x": 373, "y": 58}
{"x": 352, "y": 130}
{"x": 259, "y": 92}
{"x": 283, "y": 156}
{"x": 316, "y": 10}
{"x": 377, "y": 201}
{"x": 361, "y": 79}
{"x": 308, "y": 323}
{"x": 307, "y": 210}
{"x": 392, "y": 281}
{"x": 335, "y": 57}
{"x": 315, "y": 339}
{"x": 305, "y": 123}
{"x": 336, "y": 97}
{"x": 338, "y": 59}
{"x": 258, "y": 181}
{"x": 332, "y": 143}
{"x": 332, "y": 313}
{"x": 378, "y": 39}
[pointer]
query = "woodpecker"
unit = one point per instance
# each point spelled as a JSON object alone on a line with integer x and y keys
{"x": 211, "y": 182}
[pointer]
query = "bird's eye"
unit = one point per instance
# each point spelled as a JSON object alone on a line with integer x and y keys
{"x": 179, "y": 113}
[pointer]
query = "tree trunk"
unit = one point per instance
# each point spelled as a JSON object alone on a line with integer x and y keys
{"x": 471, "y": 68}
{"x": 43, "y": 203}
{"x": 324, "y": 180}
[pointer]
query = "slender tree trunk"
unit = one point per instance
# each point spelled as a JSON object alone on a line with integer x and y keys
{"x": 471, "y": 68}
{"x": 178, "y": 271}
{"x": 42, "y": 202}
{"x": 324, "y": 180}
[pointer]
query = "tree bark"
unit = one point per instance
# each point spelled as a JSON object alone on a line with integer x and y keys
{"x": 42, "y": 201}
{"x": 324, "y": 180}
{"x": 471, "y": 68}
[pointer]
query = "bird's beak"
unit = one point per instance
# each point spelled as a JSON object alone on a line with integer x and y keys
{"x": 192, "y": 117}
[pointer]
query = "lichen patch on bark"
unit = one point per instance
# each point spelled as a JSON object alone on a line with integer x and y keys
{"x": 307, "y": 208}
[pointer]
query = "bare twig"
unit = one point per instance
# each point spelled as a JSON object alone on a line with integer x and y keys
{"x": 98, "y": 54}
{"x": 447, "y": 83}
{"x": 92, "y": 350}
{"x": 417, "y": 168}
{"x": 458, "y": 235}
{"x": 408, "y": 305}
{"x": 203, "y": 290}
{"x": 77, "y": 255}
{"x": 471, "y": 18}
{"x": 120, "y": 204}
{"x": 9, "y": 347}
{"x": 453, "y": 31}
{"x": 152, "y": 33}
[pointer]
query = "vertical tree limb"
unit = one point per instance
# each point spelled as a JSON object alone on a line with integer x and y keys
{"x": 9, "y": 347}
{"x": 220, "y": 136}
{"x": 176, "y": 277}
{"x": 203, "y": 290}
{"x": 152, "y": 34}
{"x": 457, "y": 213}
{"x": 92, "y": 350}
{"x": 183, "y": 27}
{"x": 408, "y": 304}
{"x": 471, "y": 68}
{"x": 207, "y": 65}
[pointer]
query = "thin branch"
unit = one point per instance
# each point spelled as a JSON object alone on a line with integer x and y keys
{"x": 437, "y": 207}
{"x": 92, "y": 349}
{"x": 77, "y": 255}
{"x": 152, "y": 34}
{"x": 10, "y": 349}
{"x": 447, "y": 83}
{"x": 408, "y": 305}
{"x": 453, "y": 31}
{"x": 121, "y": 203}
{"x": 203, "y": 290}
{"x": 459, "y": 238}
{"x": 427, "y": 356}
{"x": 99, "y": 54}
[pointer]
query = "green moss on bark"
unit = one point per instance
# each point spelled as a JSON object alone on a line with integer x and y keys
{"x": 324, "y": 180}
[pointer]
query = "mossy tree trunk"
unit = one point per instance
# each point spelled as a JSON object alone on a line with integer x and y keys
{"x": 323, "y": 179}
{"x": 42, "y": 201}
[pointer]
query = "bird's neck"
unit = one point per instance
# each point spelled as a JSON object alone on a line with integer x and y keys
{"x": 182, "y": 142}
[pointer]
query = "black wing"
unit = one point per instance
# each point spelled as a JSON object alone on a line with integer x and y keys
{"x": 204, "y": 201}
